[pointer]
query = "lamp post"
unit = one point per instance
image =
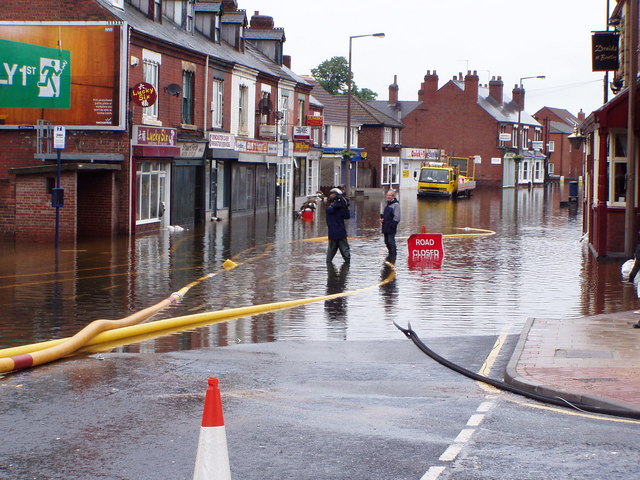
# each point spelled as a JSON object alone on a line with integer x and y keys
{"x": 349, "y": 86}
{"x": 520, "y": 139}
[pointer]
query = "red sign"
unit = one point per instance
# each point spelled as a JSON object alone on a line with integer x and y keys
{"x": 425, "y": 250}
{"x": 315, "y": 120}
{"x": 144, "y": 94}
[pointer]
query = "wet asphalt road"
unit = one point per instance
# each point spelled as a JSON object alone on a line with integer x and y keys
{"x": 296, "y": 410}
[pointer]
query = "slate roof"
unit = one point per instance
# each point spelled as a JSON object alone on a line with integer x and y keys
{"x": 275, "y": 34}
{"x": 197, "y": 42}
{"x": 506, "y": 113}
{"x": 566, "y": 116}
{"x": 398, "y": 111}
{"x": 335, "y": 109}
{"x": 560, "y": 127}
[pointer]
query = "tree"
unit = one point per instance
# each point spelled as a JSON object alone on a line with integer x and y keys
{"x": 333, "y": 76}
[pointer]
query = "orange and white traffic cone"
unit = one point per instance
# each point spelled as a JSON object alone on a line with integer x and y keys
{"x": 212, "y": 459}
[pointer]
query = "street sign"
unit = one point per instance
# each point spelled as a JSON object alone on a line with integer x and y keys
{"x": 425, "y": 250}
{"x": 59, "y": 135}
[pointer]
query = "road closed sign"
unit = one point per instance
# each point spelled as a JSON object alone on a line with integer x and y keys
{"x": 425, "y": 250}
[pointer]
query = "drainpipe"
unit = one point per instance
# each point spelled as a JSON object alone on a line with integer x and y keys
{"x": 632, "y": 72}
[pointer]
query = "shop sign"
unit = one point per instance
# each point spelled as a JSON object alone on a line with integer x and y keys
{"x": 301, "y": 132}
{"x": 256, "y": 146}
{"x": 144, "y": 94}
{"x": 301, "y": 147}
{"x": 414, "y": 153}
{"x": 434, "y": 154}
{"x": 222, "y": 140}
{"x": 604, "y": 50}
{"x": 155, "y": 136}
{"x": 267, "y": 131}
{"x": 315, "y": 120}
{"x": 192, "y": 149}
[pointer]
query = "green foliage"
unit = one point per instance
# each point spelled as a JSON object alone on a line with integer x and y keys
{"x": 333, "y": 76}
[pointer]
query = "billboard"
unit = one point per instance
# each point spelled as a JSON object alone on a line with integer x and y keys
{"x": 70, "y": 73}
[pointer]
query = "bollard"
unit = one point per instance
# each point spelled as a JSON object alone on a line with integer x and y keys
{"x": 212, "y": 458}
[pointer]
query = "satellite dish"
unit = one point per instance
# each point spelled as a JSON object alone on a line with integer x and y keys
{"x": 279, "y": 115}
{"x": 173, "y": 89}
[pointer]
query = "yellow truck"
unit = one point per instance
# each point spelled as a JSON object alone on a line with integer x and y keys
{"x": 451, "y": 178}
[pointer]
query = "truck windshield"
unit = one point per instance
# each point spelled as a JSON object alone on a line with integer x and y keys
{"x": 434, "y": 175}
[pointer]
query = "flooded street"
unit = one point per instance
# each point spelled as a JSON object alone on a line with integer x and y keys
{"x": 533, "y": 266}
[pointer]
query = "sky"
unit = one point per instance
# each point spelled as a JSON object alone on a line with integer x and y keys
{"x": 508, "y": 38}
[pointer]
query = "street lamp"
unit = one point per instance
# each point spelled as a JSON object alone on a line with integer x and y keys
{"x": 520, "y": 139}
{"x": 347, "y": 154}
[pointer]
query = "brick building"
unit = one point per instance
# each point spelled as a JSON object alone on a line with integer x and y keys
{"x": 223, "y": 101}
{"x": 563, "y": 160}
{"x": 464, "y": 119}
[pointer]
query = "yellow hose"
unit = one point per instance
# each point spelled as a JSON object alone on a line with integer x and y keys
{"x": 102, "y": 331}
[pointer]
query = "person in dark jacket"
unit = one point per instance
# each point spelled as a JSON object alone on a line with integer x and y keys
{"x": 337, "y": 213}
{"x": 390, "y": 217}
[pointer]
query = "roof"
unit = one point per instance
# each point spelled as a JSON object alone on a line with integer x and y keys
{"x": 275, "y": 34}
{"x": 335, "y": 109}
{"x": 251, "y": 57}
{"x": 209, "y": 6}
{"x": 399, "y": 110}
{"x": 560, "y": 127}
{"x": 507, "y": 112}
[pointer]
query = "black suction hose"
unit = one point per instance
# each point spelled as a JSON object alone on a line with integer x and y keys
{"x": 559, "y": 401}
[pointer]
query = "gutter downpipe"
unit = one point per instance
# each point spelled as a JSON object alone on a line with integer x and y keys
{"x": 630, "y": 210}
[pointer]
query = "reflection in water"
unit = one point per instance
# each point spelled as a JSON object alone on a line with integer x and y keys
{"x": 336, "y": 308}
{"x": 389, "y": 290}
{"x": 534, "y": 265}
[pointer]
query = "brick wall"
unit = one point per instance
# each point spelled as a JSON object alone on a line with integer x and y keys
{"x": 35, "y": 217}
{"x": 54, "y": 10}
{"x": 453, "y": 121}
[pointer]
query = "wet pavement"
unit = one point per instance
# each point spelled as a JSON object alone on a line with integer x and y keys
{"x": 594, "y": 360}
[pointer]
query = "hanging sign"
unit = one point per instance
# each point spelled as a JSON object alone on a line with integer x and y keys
{"x": 604, "y": 49}
{"x": 144, "y": 94}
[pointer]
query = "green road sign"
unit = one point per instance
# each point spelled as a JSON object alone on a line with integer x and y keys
{"x": 32, "y": 76}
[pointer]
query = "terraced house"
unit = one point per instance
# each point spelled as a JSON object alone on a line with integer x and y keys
{"x": 173, "y": 111}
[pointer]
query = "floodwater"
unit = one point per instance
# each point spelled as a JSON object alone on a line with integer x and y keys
{"x": 535, "y": 265}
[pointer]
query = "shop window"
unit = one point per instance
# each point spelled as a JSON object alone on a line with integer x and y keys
{"x": 151, "y": 186}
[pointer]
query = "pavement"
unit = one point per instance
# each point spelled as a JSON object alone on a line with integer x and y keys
{"x": 593, "y": 359}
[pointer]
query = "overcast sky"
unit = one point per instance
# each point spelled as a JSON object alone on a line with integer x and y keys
{"x": 510, "y": 38}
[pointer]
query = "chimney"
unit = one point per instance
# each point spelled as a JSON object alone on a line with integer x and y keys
{"x": 471, "y": 86}
{"x": 429, "y": 87}
{"x": 496, "y": 89}
{"x": 393, "y": 91}
{"x": 261, "y": 22}
{"x": 518, "y": 96}
{"x": 229, "y": 6}
{"x": 581, "y": 116}
{"x": 286, "y": 61}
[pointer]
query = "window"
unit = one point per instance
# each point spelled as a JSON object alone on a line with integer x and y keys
{"x": 390, "y": 170}
{"x": 502, "y": 133}
{"x": 396, "y": 136}
{"x": 174, "y": 10}
{"x": 151, "y": 69}
{"x": 151, "y": 182}
{"x": 243, "y": 110}
{"x": 618, "y": 168}
{"x": 265, "y": 108}
{"x": 327, "y": 135}
{"x": 387, "y": 135}
{"x": 300, "y": 111}
{"x": 187, "y": 97}
{"x": 284, "y": 108}
{"x": 217, "y": 103}
{"x": 515, "y": 136}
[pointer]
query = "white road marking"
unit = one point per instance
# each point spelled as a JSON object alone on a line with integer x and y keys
{"x": 433, "y": 473}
